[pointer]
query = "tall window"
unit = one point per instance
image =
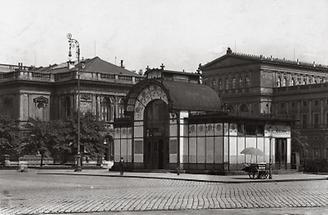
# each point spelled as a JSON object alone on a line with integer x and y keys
{"x": 293, "y": 82}
{"x": 120, "y": 108}
{"x": 304, "y": 120}
{"x": 279, "y": 82}
{"x": 284, "y": 82}
{"x": 233, "y": 83}
{"x": 227, "y": 84}
{"x": 241, "y": 82}
{"x": 106, "y": 109}
{"x": 247, "y": 81}
{"x": 220, "y": 84}
{"x": 68, "y": 108}
{"x": 316, "y": 120}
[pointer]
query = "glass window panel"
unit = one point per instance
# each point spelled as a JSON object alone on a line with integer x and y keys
{"x": 233, "y": 150}
{"x": 260, "y": 145}
{"x": 192, "y": 150}
{"x": 219, "y": 129}
{"x": 201, "y": 149}
{"x": 201, "y": 130}
{"x": 226, "y": 149}
{"x": 185, "y": 150}
{"x": 117, "y": 149}
{"x": 218, "y": 149}
{"x": 192, "y": 130}
{"x": 241, "y": 147}
{"x": 210, "y": 129}
{"x": 209, "y": 149}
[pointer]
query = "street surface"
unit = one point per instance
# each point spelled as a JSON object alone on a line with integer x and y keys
{"x": 31, "y": 193}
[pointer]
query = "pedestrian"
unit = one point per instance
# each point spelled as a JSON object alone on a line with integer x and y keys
{"x": 121, "y": 166}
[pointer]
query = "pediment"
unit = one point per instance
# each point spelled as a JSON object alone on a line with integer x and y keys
{"x": 227, "y": 61}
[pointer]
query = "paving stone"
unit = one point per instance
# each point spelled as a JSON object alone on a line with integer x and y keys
{"x": 40, "y": 194}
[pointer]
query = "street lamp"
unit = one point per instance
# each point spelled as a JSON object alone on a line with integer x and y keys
{"x": 270, "y": 154}
{"x": 73, "y": 43}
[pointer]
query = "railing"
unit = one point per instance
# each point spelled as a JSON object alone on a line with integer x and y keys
{"x": 71, "y": 75}
{"x": 300, "y": 87}
{"x": 311, "y": 126}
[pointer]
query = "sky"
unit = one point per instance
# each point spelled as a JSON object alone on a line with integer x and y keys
{"x": 178, "y": 33}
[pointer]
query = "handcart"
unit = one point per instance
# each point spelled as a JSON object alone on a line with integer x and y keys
{"x": 259, "y": 171}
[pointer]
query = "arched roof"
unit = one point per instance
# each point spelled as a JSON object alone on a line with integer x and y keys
{"x": 181, "y": 95}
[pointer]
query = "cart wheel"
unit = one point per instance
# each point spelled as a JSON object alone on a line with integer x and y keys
{"x": 266, "y": 175}
{"x": 252, "y": 175}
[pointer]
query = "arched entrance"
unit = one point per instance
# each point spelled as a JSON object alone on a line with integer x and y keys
{"x": 156, "y": 135}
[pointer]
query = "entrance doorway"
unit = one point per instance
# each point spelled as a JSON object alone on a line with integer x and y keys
{"x": 281, "y": 153}
{"x": 156, "y": 135}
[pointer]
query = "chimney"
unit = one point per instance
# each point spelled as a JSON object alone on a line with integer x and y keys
{"x": 229, "y": 51}
{"x": 297, "y": 61}
{"x": 122, "y": 66}
{"x": 314, "y": 64}
{"x": 70, "y": 64}
{"x": 162, "y": 66}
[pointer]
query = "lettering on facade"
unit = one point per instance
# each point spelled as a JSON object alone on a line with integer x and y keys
{"x": 40, "y": 102}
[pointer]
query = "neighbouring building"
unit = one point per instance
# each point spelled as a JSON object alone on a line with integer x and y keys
{"x": 173, "y": 121}
{"x": 252, "y": 85}
{"x": 50, "y": 93}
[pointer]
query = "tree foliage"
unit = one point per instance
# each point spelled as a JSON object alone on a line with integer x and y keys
{"x": 8, "y": 136}
{"x": 58, "y": 138}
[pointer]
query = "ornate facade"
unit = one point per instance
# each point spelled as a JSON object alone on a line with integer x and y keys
{"x": 172, "y": 121}
{"x": 266, "y": 86}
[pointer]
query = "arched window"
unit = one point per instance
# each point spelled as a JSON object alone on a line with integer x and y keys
{"x": 106, "y": 109}
{"x": 279, "y": 82}
{"x": 293, "y": 82}
{"x": 304, "y": 81}
{"x": 243, "y": 108}
{"x": 284, "y": 82}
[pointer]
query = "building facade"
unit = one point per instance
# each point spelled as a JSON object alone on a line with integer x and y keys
{"x": 50, "y": 93}
{"x": 270, "y": 87}
{"x": 172, "y": 121}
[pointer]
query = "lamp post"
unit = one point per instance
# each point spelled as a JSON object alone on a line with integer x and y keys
{"x": 73, "y": 43}
{"x": 270, "y": 154}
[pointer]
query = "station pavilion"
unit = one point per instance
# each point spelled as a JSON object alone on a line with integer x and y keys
{"x": 173, "y": 121}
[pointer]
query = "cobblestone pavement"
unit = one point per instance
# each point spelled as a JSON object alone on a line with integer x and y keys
{"x": 29, "y": 193}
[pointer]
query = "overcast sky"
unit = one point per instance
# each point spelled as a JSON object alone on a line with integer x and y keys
{"x": 181, "y": 34}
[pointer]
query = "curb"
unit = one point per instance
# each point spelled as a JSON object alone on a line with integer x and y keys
{"x": 187, "y": 179}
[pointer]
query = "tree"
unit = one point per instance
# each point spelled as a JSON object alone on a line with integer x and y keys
{"x": 92, "y": 134}
{"x": 58, "y": 138}
{"x": 36, "y": 139}
{"x": 8, "y": 136}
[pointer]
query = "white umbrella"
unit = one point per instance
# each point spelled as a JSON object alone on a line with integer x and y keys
{"x": 252, "y": 151}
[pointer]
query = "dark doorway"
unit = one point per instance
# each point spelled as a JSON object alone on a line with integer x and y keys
{"x": 156, "y": 130}
{"x": 281, "y": 153}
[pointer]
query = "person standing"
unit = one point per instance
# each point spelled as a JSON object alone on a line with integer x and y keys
{"x": 121, "y": 166}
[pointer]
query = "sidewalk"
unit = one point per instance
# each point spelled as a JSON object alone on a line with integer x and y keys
{"x": 187, "y": 177}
